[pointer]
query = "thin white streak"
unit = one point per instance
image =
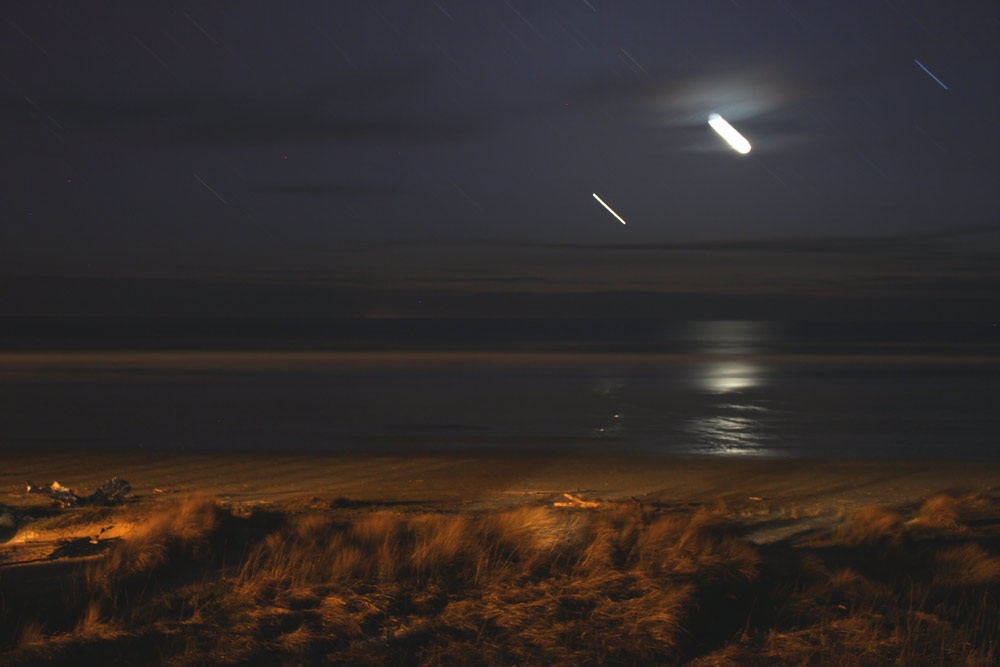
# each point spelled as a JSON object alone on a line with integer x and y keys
{"x": 608, "y": 207}
{"x": 449, "y": 57}
{"x": 341, "y": 51}
{"x": 929, "y": 72}
{"x": 209, "y": 188}
{"x": 526, "y": 21}
{"x": 443, "y": 11}
{"x": 198, "y": 26}
{"x": 27, "y": 37}
{"x": 47, "y": 116}
{"x": 150, "y": 52}
{"x": 629, "y": 55}
{"x": 467, "y": 196}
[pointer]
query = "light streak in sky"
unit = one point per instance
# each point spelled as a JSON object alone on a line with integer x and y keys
{"x": 526, "y": 21}
{"x": 443, "y": 11}
{"x": 729, "y": 133}
{"x": 929, "y": 73}
{"x": 467, "y": 196}
{"x": 47, "y": 116}
{"x": 198, "y": 26}
{"x": 629, "y": 55}
{"x": 150, "y": 52}
{"x": 209, "y": 188}
{"x": 608, "y": 207}
{"x": 27, "y": 37}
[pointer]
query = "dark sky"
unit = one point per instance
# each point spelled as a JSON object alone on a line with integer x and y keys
{"x": 437, "y": 158}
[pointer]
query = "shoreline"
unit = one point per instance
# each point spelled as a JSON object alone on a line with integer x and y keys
{"x": 306, "y": 359}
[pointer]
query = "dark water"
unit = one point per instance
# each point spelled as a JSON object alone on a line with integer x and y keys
{"x": 717, "y": 388}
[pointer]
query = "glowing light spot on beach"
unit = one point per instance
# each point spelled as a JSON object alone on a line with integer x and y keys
{"x": 729, "y": 133}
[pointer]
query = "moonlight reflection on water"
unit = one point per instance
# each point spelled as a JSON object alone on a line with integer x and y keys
{"x": 735, "y": 428}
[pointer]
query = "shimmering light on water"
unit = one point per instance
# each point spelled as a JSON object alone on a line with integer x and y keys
{"x": 728, "y": 435}
{"x": 711, "y": 388}
{"x": 729, "y": 376}
{"x": 734, "y": 428}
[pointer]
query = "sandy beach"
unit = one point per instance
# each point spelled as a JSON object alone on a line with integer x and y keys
{"x": 498, "y": 557}
{"x": 495, "y": 478}
{"x": 813, "y": 493}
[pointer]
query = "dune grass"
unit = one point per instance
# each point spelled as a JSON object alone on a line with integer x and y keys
{"x": 622, "y": 584}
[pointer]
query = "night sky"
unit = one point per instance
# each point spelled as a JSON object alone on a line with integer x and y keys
{"x": 438, "y": 158}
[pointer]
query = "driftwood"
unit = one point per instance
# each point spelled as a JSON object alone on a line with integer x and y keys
{"x": 112, "y": 492}
{"x": 57, "y": 492}
{"x": 577, "y": 501}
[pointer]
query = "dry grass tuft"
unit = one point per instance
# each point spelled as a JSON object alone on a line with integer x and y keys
{"x": 872, "y": 526}
{"x": 619, "y": 584}
{"x": 298, "y": 641}
{"x": 90, "y": 620}
{"x": 523, "y": 581}
{"x": 176, "y": 531}
{"x": 32, "y": 633}
{"x": 966, "y": 565}
{"x": 79, "y": 517}
{"x": 940, "y": 511}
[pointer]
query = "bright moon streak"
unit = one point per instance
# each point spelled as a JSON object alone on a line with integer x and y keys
{"x": 608, "y": 207}
{"x": 729, "y": 133}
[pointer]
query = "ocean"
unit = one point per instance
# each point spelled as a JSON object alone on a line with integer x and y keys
{"x": 713, "y": 388}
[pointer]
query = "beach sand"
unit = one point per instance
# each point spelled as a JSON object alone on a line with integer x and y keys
{"x": 816, "y": 492}
{"x": 494, "y": 478}
{"x": 746, "y": 545}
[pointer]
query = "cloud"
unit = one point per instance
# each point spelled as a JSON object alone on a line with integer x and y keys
{"x": 927, "y": 239}
{"x": 343, "y": 190}
{"x": 739, "y": 88}
{"x": 377, "y": 106}
{"x": 279, "y": 125}
{"x": 768, "y": 98}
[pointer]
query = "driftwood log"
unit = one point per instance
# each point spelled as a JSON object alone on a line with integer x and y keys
{"x": 577, "y": 501}
{"x": 112, "y": 492}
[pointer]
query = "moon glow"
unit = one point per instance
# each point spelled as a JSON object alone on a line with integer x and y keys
{"x": 729, "y": 133}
